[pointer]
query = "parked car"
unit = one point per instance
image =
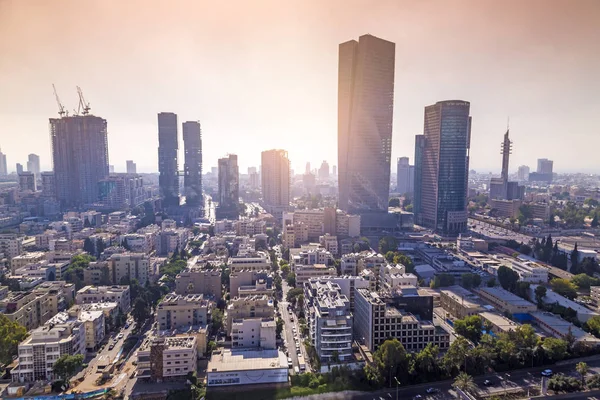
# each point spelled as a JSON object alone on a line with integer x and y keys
{"x": 120, "y": 336}
{"x": 547, "y": 372}
{"x": 112, "y": 346}
{"x": 432, "y": 390}
{"x": 487, "y": 382}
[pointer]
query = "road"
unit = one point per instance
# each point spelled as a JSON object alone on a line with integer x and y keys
{"x": 288, "y": 330}
{"x": 496, "y": 232}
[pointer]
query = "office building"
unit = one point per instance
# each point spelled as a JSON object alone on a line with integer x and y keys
{"x": 22, "y": 260}
{"x": 131, "y": 167}
{"x": 167, "y": 357}
{"x": 324, "y": 171}
{"x": 405, "y": 176}
{"x": 45, "y": 345}
{"x": 27, "y": 181}
{"x": 460, "y": 302}
{"x": 102, "y": 294}
{"x": 121, "y": 191}
{"x": 329, "y": 320}
{"x": 251, "y": 282}
{"x": 177, "y": 311}
{"x": 192, "y": 169}
{"x": 229, "y": 184}
{"x": 365, "y": 111}
{"x": 48, "y": 185}
{"x": 126, "y": 267}
{"x": 523, "y": 173}
{"x": 19, "y": 168}
{"x": 275, "y": 180}
{"x": 79, "y": 156}
{"x": 231, "y": 367}
{"x": 444, "y": 167}
{"x": 3, "y": 165}
{"x": 505, "y": 301}
{"x": 249, "y": 307}
{"x": 197, "y": 280}
{"x": 418, "y": 176}
{"x": 544, "y": 166}
{"x": 253, "y": 333}
{"x": 529, "y": 271}
{"x": 256, "y": 261}
{"x": 33, "y": 165}
{"x": 168, "y": 166}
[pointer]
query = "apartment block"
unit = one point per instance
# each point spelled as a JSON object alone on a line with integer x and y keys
{"x": 329, "y": 319}
{"x": 22, "y": 260}
{"x": 101, "y": 294}
{"x": 306, "y": 272}
{"x": 253, "y": 333}
{"x": 97, "y": 273}
{"x": 250, "y": 226}
{"x": 256, "y": 261}
{"x": 163, "y": 358}
{"x": 347, "y": 285}
{"x": 310, "y": 254}
{"x": 330, "y": 243}
{"x": 249, "y": 307}
{"x": 460, "y": 302}
{"x": 29, "y": 309}
{"x": 198, "y": 279}
{"x": 129, "y": 266}
{"x": 249, "y": 282}
{"x": 177, "y": 311}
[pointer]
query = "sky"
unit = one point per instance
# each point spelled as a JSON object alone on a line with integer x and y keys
{"x": 262, "y": 74}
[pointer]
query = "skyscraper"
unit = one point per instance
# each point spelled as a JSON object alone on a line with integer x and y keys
{"x": 324, "y": 171}
{"x": 168, "y": 179}
{"x": 131, "y": 167}
{"x": 544, "y": 166}
{"x": 27, "y": 181}
{"x": 33, "y": 165}
{"x": 523, "y": 173}
{"x": 444, "y": 166}
{"x": 365, "y": 111}
{"x": 3, "y": 165}
{"x": 405, "y": 176}
{"x": 418, "y": 178}
{"x": 79, "y": 156}
{"x": 192, "y": 169}
{"x": 275, "y": 180}
{"x": 229, "y": 183}
{"x": 19, "y": 168}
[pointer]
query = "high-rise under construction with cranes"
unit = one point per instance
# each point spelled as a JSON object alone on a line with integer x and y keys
{"x": 79, "y": 154}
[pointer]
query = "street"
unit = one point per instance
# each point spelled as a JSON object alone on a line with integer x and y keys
{"x": 496, "y": 232}
{"x": 288, "y": 331}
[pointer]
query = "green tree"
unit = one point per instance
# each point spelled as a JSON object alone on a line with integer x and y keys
{"x": 217, "y": 318}
{"x": 574, "y": 259}
{"x": 67, "y": 365}
{"x": 469, "y": 280}
{"x": 442, "y": 280}
{"x": 470, "y": 327}
{"x": 388, "y": 243}
{"x": 465, "y": 383}
{"x": 582, "y": 369}
{"x": 594, "y": 223}
{"x": 456, "y": 355}
{"x": 564, "y": 287}
{"x": 125, "y": 244}
{"x": 291, "y": 279}
{"x": 285, "y": 270}
{"x": 210, "y": 347}
{"x": 491, "y": 282}
{"x": 540, "y": 293}
{"x": 141, "y": 311}
{"x": 11, "y": 334}
{"x": 279, "y": 327}
{"x": 426, "y": 361}
{"x": 584, "y": 281}
{"x": 593, "y": 324}
{"x": 88, "y": 246}
{"x": 525, "y": 213}
{"x": 391, "y": 359}
{"x": 562, "y": 383}
{"x": 556, "y": 349}
{"x": 508, "y": 278}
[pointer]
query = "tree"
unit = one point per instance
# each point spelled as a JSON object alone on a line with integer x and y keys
{"x": 593, "y": 325}
{"x": 562, "y": 383}
{"x": 456, "y": 355}
{"x": 140, "y": 311}
{"x": 210, "y": 347}
{"x": 387, "y": 243}
{"x": 88, "y": 246}
{"x": 594, "y": 223}
{"x": 465, "y": 383}
{"x": 394, "y": 202}
{"x": 574, "y": 258}
{"x": 11, "y": 334}
{"x": 584, "y": 281}
{"x": 525, "y": 213}
{"x": 508, "y": 278}
{"x": 217, "y": 320}
{"x": 469, "y": 280}
{"x": 556, "y": 349}
{"x": 125, "y": 244}
{"x": 540, "y": 293}
{"x": 285, "y": 270}
{"x": 389, "y": 359}
{"x": 279, "y": 327}
{"x": 525, "y": 249}
{"x": 66, "y": 366}
{"x": 442, "y": 280}
{"x": 522, "y": 289}
{"x": 291, "y": 279}
{"x": 469, "y": 327}
{"x": 491, "y": 282}
{"x": 582, "y": 369}
{"x": 564, "y": 287}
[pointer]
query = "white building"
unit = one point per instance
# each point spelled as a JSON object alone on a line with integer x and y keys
{"x": 102, "y": 294}
{"x": 330, "y": 243}
{"x": 11, "y": 245}
{"x": 346, "y": 283}
{"x": 306, "y": 272}
{"x": 309, "y": 254}
{"x": 257, "y": 261}
{"x": 253, "y": 333}
{"x": 583, "y": 313}
{"x": 177, "y": 311}
{"x": 246, "y": 367}
{"x": 529, "y": 271}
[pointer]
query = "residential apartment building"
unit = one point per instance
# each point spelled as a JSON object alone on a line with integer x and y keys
{"x": 29, "y": 309}
{"x": 46, "y": 344}
{"x": 129, "y": 266}
{"x": 101, "y": 294}
{"x": 198, "y": 279}
{"x": 97, "y": 273}
{"x": 249, "y": 227}
{"x": 168, "y": 166}
{"x": 192, "y": 167}
{"x": 347, "y": 285}
{"x": 506, "y": 301}
{"x": 163, "y": 358}
{"x": 329, "y": 319}
{"x": 93, "y": 322}
{"x": 251, "y": 282}
{"x": 177, "y": 311}
{"x": 460, "y": 302}
{"x": 22, "y": 260}
{"x": 253, "y": 333}
{"x": 310, "y": 254}
{"x": 330, "y": 243}
{"x": 306, "y": 272}
{"x": 256, "y": 261}
{"x": 375, "y": 321}
{"x": 249, "y": 307}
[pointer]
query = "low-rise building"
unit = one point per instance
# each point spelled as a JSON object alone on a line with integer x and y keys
{"x": 310, "y": 254}
{"x": 167, "y": 357}
{"x": 178, "y": 311}
{"x": 97, "y": 273}
{"x": 460, "y": 302}
{"x": 529, "y": 271}
{"x": 29, "y": 309}
{"x": 257, "y": 261}
{"x": 251, "y": 282}
{"x": 199, "y": 279}
{"x": 249, "y": 307}
{"x": 22, "y": 260}
{"x": 228, "y": 367}
{"x": 559, "y": 328}
{"x": 253, "y": 333}
{"x": 506, "y": 301}
{"x": 101, "y": 294}
{"x": 498, "y": 323}
{"x": 306, "y": 272}
{"x": 551, "y": 297}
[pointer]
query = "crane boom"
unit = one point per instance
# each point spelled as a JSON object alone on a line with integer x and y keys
{"x": 61, "y": 108}
{"x": 83, "y": 105}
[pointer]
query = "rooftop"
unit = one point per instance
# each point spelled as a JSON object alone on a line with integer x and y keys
{"x": 499, "y": 321}
{"x": 562, "y": 326}
{"x": 462, "y": 295}
{"x": 505, "y": 296}
{"x": 246, "y": 360}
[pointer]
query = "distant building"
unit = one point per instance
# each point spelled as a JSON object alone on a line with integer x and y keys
{"x": 501, "y": 188}
{"x": 48, "y": 185}
{"x": 168, "y": 166}
{"x": 523, "y": 173}
{"x": 129, "y": 267}
{"x": 229, "y": 367}
{"x": 405, "y": 176}
{"x": 27, "y": 182}
{"x": 506, "y": 301}
{"x": 131, "y": 167}
{"x": 275, "y": 170}
{"x": 33, "y": 165}
{"x": 192, "y": 168}
{"x": 198, "y": 280}
{"x": 101, "y": 294}
{"x": 324, "y": 171}
{"x": 544, "y": 166}
{"x": 229, "y": 183}
{"x": 460, "y": 302}
{"x": 559, "y": 328}
{"x": 19, "y": 168}
{"x": 306, "y": 272}
{"x": 3, "y": 165}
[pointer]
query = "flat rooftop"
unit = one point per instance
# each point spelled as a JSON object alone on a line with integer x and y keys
{"x": 502, "y": 323}
{"x": 463, "y": 296}
{"x": 563, "y": 326}
{"x": 246, "y": 360}
{"x": 506, "y": 296}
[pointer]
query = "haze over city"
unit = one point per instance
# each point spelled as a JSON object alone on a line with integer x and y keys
{"x": 264, "y": 74}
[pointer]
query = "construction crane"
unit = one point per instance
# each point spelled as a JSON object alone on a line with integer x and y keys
{"x": 83, "y": 107}
{"x": 61, "y": 108}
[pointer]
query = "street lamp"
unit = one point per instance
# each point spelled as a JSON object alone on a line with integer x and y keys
{"x": 397, "y": 386}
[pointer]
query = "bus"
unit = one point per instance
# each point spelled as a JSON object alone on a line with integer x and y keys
{"x": 301, "y": 363}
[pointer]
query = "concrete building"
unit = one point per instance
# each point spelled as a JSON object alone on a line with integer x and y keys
{"x": 544, "y": 166}
{"x": 45, "y": 345}
{"x": 11, "y": 245}
{"x": 365, "y": 111}
{"x": 3, "y": 166}
{"x": 460, "y": 302}
{"x": 229, "y": 187}
{"x": 27, "y": 181}
{"x": 79, "y": 156}
{"x": 249, "y": 307}
{"x": 101, "y": 294}
{"x": 249, "y": 227}
{"x": 164, "y": 358}
{"x": 523, "y": 173}
{"x": 551, "y": 297}
{"x": 559, "y": 328}
{"x": 192, "y": 167}
{"x": 228, "y": 367}
{"x": 30, "y": 309}
{"x": 33, "y": 165}
{"x": 253, "y": 333}
{"x": 129, "y": 266}
{"x": 22, "y": 260}
{"x": 506, "y": 301}
{"x": 121, "y": 191}
{"x": 498, "y": 323}
{"x": 168, "y": 166}
{"x": 376, "y": 321}
{"x": 93, "y": 322}
{"x": 306, "y": 272}
{"x": 444, "y": 167}
{"x": 346, "y": 284}
{"x": 310, "y": 254}
{"x": 405, "y": 176}
{"x": 196, "y": 280}
{"x": 176, "y": 311}
{"x": 275, "y": 180}
{"x": 250, "y": 282}
{"x": 529, "y": 271}
{"x": 329, "y": 320}
{"x": 256, "y": 261}
{"x": 595, "y": 294}
{"x": 330, "y": 243}
{"x": 131, "y": 167}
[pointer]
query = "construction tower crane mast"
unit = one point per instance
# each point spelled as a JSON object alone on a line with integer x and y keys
{"x": 61, "y": 108}
{"x": 84, "y": 107}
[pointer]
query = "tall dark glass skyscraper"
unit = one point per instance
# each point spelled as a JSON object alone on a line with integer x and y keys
{"x": 168, "y": 179}
{"x": 444, "y": 167}
{"x": 229, "y": 184}
{"x": 365, "y": 110}
{"x": 192, "y": 169}
{"x": 419, "y": 146}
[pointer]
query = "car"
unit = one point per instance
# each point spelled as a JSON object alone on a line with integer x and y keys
{"x": 547, "y": 372}
{"x": 112, "y": 346}
{"x": 127, "y": 325}
{"x": 120, "y": 336}
{"x": 432, "y": 390}
{"x": 417, "y": 397}
{"x": 487, "y": 382}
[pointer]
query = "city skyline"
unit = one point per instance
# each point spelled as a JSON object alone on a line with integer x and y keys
{"x": 506, "y": 69}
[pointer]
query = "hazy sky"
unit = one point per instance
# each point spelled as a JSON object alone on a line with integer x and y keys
{"x": 262, "y": 74}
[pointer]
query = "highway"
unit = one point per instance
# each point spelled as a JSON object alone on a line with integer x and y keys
{"x": 495, "y": 232}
